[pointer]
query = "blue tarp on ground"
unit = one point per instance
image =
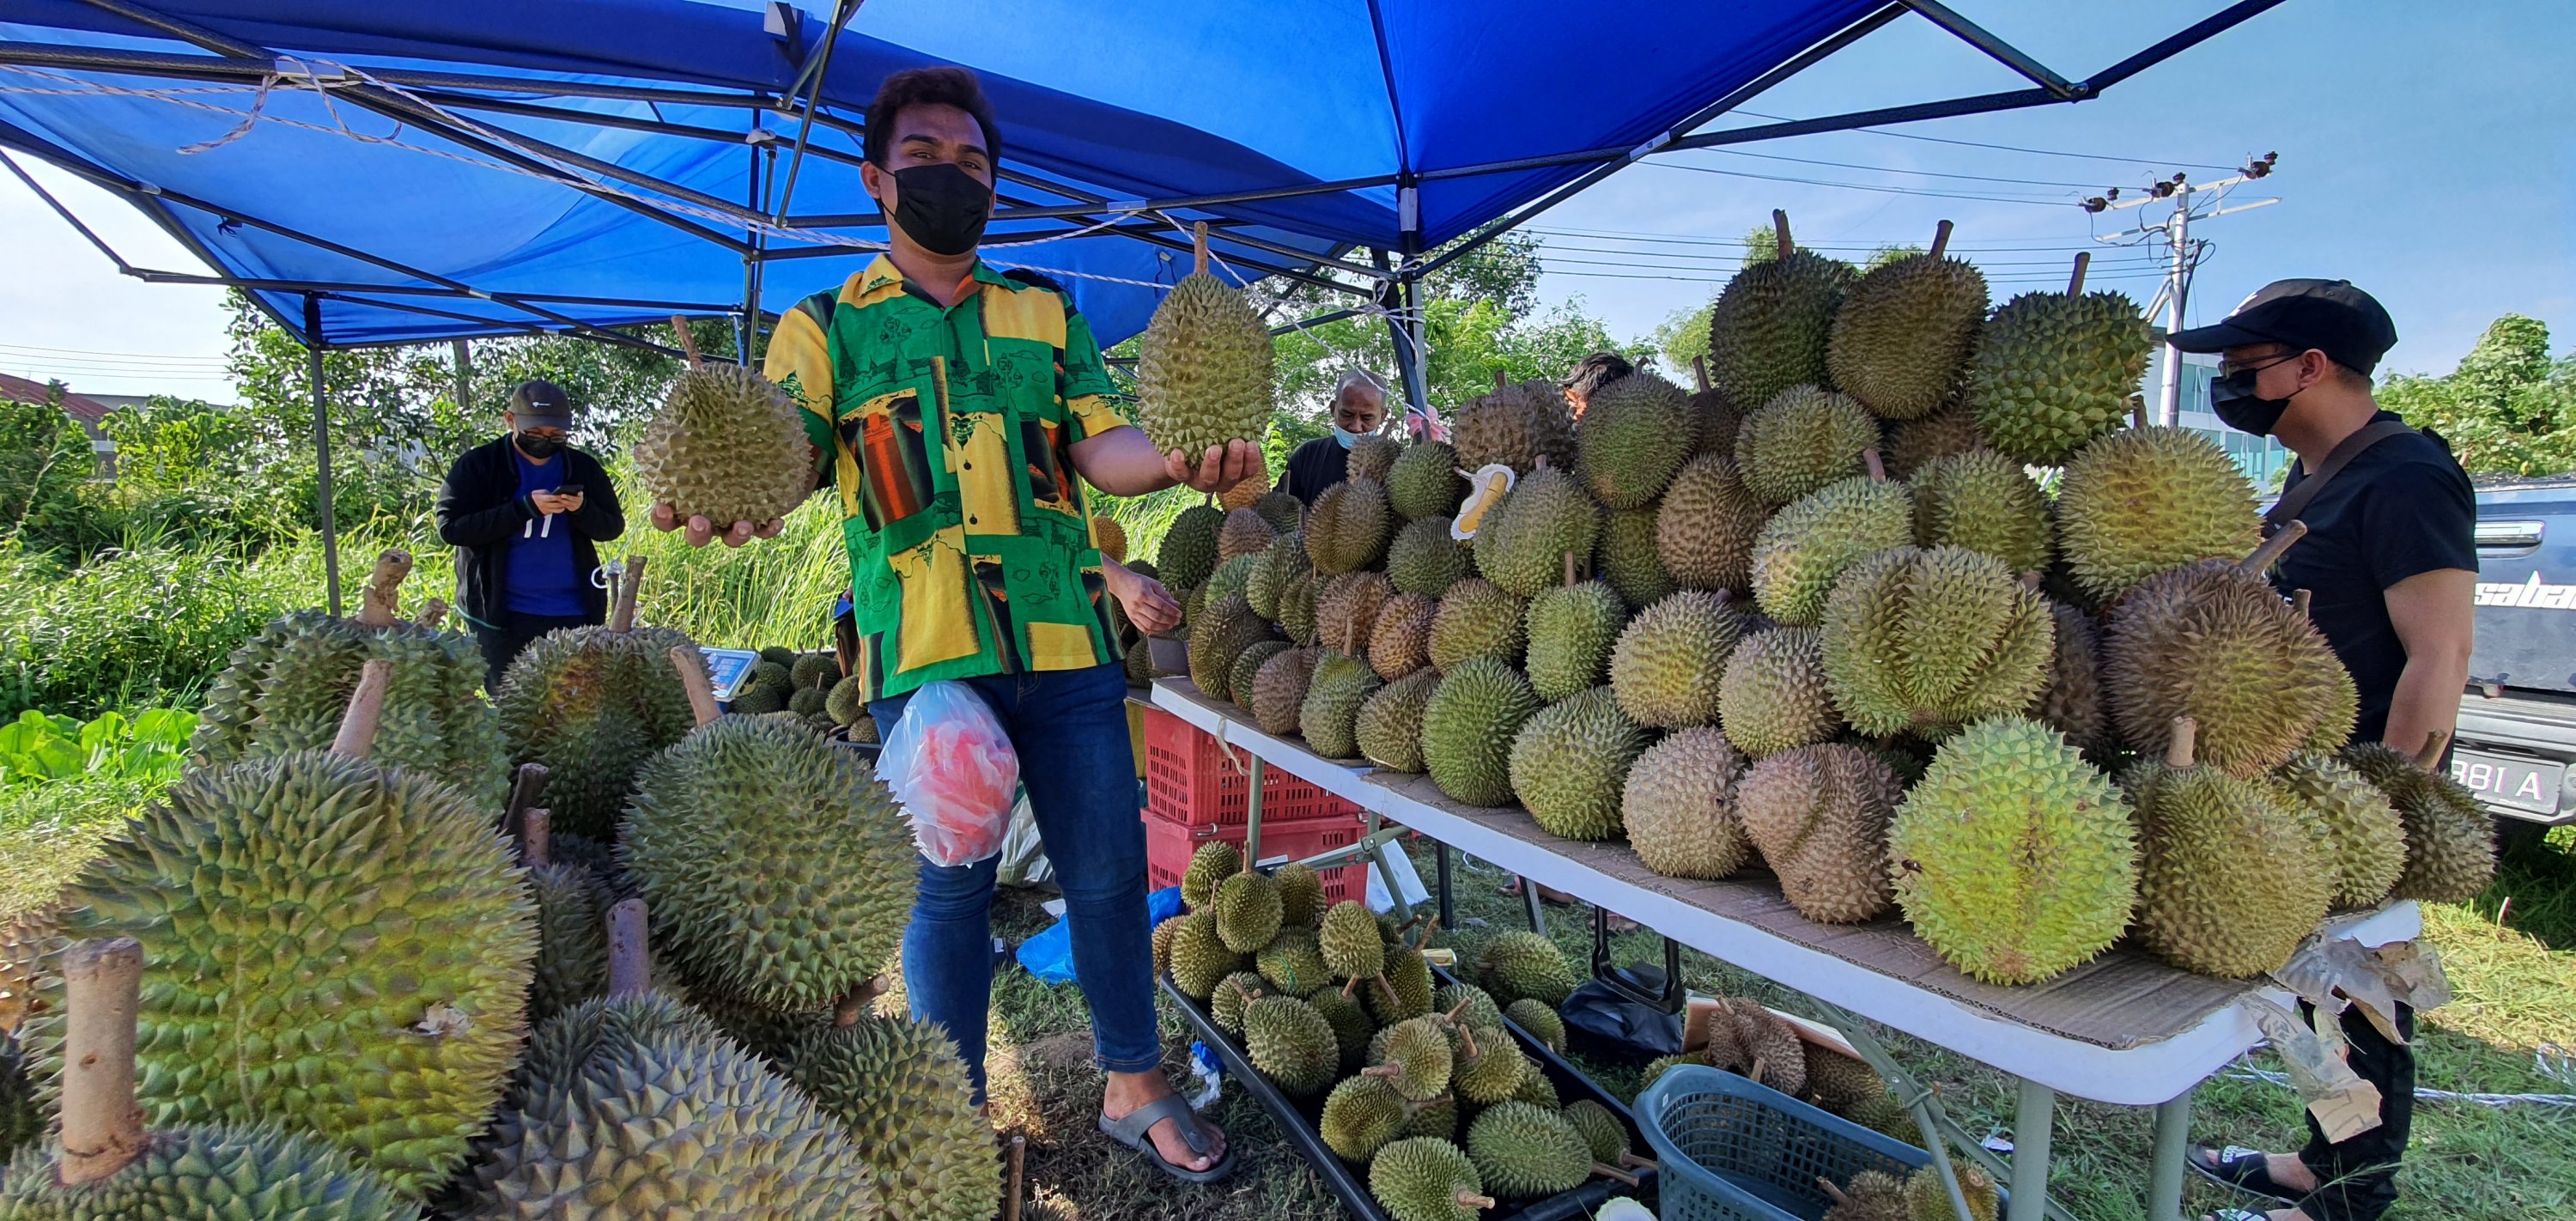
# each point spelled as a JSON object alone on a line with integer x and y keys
{"x": 1130, "y": 100}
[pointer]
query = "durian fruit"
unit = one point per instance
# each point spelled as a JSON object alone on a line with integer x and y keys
{"x": 1838, "y": 1082}
{"x": 572, "y": 935}
{"x": 1109, "y": 538}
{"x": 727, "y": 446}
{"x": 758, "y": 697}
{"x": 1407, "y": 993}
{"x": 1292, "y": 962}
{"x": 2213, "y": 642}
{"x": 1415, "y": 1058}
{"x": 775, "y": 865}
{"x": 1347, "y": 607}
{"x": 1468, "y": 727}
{"x": 2144, "y": 500}
{"x": 1773, "y": 695}
{"x": 1200, "y": 958}
{"x": 2343, "y": 714}
{"x": 1519, "y": 964}
{"x": 1805, "y": 547}
{"x": 779, "y": 655}
{"x": 1570, "y": 760}
{"x": 1922, "y": 641}
{"x": 1477, "y": 620}
{"x": 317, "y": 902}
{"x": 1666, "y": 666}
{"x": 1247, "y": 911}
{"x": 900, "y": 1090}
{"x": 1360, "y": 1116}
{"x": 593, "y": 704}
{"x": 1203, "y": 366}
{"x": 1388, "y": 730}
{"x": 1189, "y": 550}
{"x": 1371, "y": 457}
{"x": 2070, "y": 701}
{"x": 1489, "y": 1065}
{"x": 2450, "y": 838}
{"x": 1515, "y": 426}
{"x": 1329, "y": 718}
{"x": 1913, "y": 444}
{"x": 1536, "y": 1089}
{"x": 1771, "y": 326}
{"x": 1352, "y": 952}
{"x": 1984, "y": 502}
{"x": 1162, "y": 942}
{"x": 1626, "y": 556}
{"x": 1522, "y": 544}
{"x": 807, "y": 702}
{"x": 1400, "y": 643}
{"x": 1291, "y": 1044}
{"x": 1284, "y": 512}
{"x": 1801, "y": 441}
{"x": 2053, "y": 371}
{"x": 1540, "y": 1020}
{"x": 1279, "y": 690}
{"x": 814, "y": 671}
{"x": 1301, "y": 894}
{"x": 2012, "y": 857}
{"x": 1424, "y": 482}
{"x": 1425, "y": 1178}
{"x": 1714, "y": 417}
{"x": 1571, "y": 631}
{"x": 1214, "y": 862}
{"x": 1233, "y": 578}
{"x": 1348, "y": 527}
{"x": 1872, "y": 1195}
{"x": 2233, "y": 880}
{"x": 1706, "y": 526}
{"x": 1243, "y": 533}
{"x": 1773, "y": 1053}
{"x": 1819, "y": 815}
{"x": 1283, "y": 560}
{"x": 1350, "y": 1021}
{"x": 1248, "y": 493}
{"x": 1424, "y": 560}
{"x": 1247, "y": 668}
{"x": 1927, "y": 1199}
{"x": 2364, "y": 837}
{"x": 1634, "y": 434}
{"x": 1225, "y": 1004}
{"x": 1679, "y": 806}
{"x": 1228, "y": 628}
{"x": 1525, "y": 1151}
{"x": 1902, "y": 339}
{"x": 1297, "y": 609}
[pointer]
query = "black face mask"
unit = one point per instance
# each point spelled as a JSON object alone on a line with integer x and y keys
{"x": 540, "y": 448}
{"x": 942, "y": 207}
{"x": 2233, "y": 401}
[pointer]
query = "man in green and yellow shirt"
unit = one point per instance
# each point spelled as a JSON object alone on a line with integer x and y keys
{"x": 957, "y": 412}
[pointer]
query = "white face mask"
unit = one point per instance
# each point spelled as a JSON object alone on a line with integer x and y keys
{"x": 1346, "y": 437}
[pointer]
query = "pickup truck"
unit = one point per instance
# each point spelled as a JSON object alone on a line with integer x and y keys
{"x": 2517, "y": 730}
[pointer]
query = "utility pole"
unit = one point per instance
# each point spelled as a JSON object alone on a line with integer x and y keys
{"x": 2183, "y": 254}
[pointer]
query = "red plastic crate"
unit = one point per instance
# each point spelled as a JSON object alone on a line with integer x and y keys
{"x": 1189, "y": 779}
{"x": 1169, "y": 845}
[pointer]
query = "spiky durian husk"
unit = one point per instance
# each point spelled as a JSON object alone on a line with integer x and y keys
{"x": 727, "y": 446}
{"x": 1348, "y": 526}
{"x": 1243, "y": 533}
{"x": 1233, "y": 577}
{"x": 2217, "y": 645}
{"x": 1635, "y": 432}
{"x": 1279, "y": 689}
{"x": 21, "y": 1123}
{"x": 1328, "y": 718}
{"x": 1109, "y": 538}
{"x": 572, "y": 939}
{"x": 1569, "y": 761}
{"x": 1518, "y": 963}
{"x": 1284, "y": 560}
{"x": 900, "y": 1091}
{"x": 1360, "y": 1116}
{"x": 1421, "y": 1178}
{"x": 1902, "y": 339}
{"x": 1424, "y": 482}
{"x": 1424, "y": 560}
{"x": 1774, "y": 695}
{"x": 1715, "y": 420}
{"x": 2145, "y": 500}
{"x": 1704, "y": 531}
{"x": 1922, "y": 641}
{"x": 592, "y": 705}
{"x": 1627, "y": 559}
{"x": 1525, "y": 1151}
{"x": 1667, "y": 664}
{"x": 1468, "y": 726}
{"x": 1819, "y": 816}
{"x": 1770, "y": 327}
{"x": 1477, "y": 620}
{"x": 2364, "y": 836}
{"x": 1522, "y": 544}
{"x": 1291, "y": 1044}
{"x": 1679, "y": 806}
{"x": 1911, "y": 444}
{"x": 774, "y": 864}
{"x": 1189, "y": 549}
{"x": 1516, "y": 426}
{"x": 367, "y": 918}
{"x": 2054, "y": 371}
{"x": 1400, "y": 643}
{"x": 1228, "y": 628}
{"x": 1214, "y": 862}
{"x": 1389, "y": 727}
{"x": 1571, "y": 631}
{"x": 1346, "y": 610}
{"x": 245, "y": 1170}
{"x": 1247, "y": 668}
{"x": 1801, "y": 441}
{"x": 1806, "y": 546}
{"x": 2070, "y": 701}
{"x": 1203, "y": 369}
{"x": 2232, "y": 881}
{"x": 1372, "y": 457}
{"x": 2450, "y": 838}
{"x": 1984, "y": 502}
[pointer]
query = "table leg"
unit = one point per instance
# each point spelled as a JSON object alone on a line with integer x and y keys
{"x": 2031, "y": 1124}
{"x": 1448, "y": 897}
{"x": 2164, "y": 1178}
{"x": 1529, "y": 901}
{"x": 1252, "y": 812}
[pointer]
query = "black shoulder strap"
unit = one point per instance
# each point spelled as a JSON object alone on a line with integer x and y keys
{"x": 2297, "y": 499}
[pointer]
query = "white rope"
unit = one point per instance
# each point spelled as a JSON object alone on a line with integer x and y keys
{"x": 2541, "y": 1064}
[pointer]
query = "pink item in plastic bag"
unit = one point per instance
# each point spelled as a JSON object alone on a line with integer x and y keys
{"x": 952, "y": 768}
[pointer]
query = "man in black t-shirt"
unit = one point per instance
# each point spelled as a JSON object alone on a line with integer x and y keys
{"x": 2390, "y": 566}
{"x": 1359, "y": 406}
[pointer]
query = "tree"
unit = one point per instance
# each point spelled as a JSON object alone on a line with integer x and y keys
{"x": 2506, "y": 410}
{"x": 45, "y": 463}
{"x": 1682, "y": 337}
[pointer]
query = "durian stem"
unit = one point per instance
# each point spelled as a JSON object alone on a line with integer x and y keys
{"x": 102, "y": 1128}
{"x": 630, "y": 955}
{"x": 688, "y": 342}
{"x": 526, "y": 785}
{"x": 2299, "y": 602}
{"x": 1469, "y": 1199}
{"x": 366, "y": 708}
{"x": 2290, "y": 532}
{"x": 1349, "y": 986}
{"x": 384, "y": 589}
{"x": 1500, "y": 382}
{"x": 2180, "y": 741}
{"x": 1877, "y": 468}
{"x": 1832, "y": 1192}
{"x": 537, "y": 838}
{"x": 2430, "y": 757}
{"x": 1780, "y": 232}
{"x": 1382, "y": 1070}
{"x": 1569, "y": 568}
{"x": 692, "y": 666}
{"x": 1754, "y": 1074}
{"x": 1019, "y": 1157}
{"x": 621, "y": 618}
{"x": 1940, "y": 238}
{"x": 2075, "y": 282}
{"x": 1608, "y": 1171}
{"x": 1634, "y": 1162}
{"x": 1467, "y": 1035}
{"x": 1198, "y": 248}
{"x": 2137, "y": 411}
{"x": 432, "y": 613}
{"x": 1699, "y": 368}
{"x": 1391, "y": 1000}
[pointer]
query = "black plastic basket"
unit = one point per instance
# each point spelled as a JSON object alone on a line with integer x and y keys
{"x": 1732, "y": 1149}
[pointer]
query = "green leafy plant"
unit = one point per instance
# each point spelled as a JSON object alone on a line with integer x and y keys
{"x": 150, "y": 746}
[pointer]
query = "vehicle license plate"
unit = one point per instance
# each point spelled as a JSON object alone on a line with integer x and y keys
{"x": 2505, "y": 781}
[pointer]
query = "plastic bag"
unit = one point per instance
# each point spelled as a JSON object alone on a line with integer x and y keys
{"x": 953, "y": 769}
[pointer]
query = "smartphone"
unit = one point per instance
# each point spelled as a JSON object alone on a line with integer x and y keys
{"x": 569, "y": 489}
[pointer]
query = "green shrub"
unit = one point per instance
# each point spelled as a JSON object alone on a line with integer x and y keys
{"x": 151, "y": 746}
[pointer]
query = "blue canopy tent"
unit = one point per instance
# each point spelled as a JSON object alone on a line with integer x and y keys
{"x": 401, "y": 171}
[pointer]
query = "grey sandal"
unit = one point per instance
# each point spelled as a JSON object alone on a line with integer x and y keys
{"x": 1135, "y": 1132}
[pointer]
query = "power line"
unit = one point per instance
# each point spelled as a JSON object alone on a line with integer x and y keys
{"x": 2070, "y": 246}
{"x": 1859, "y": 186}
{"x": 2008, "y": 148}
{"x": 1886, "y": 169}
{"x": 2141, "y": 258}
{"x": 121, "y": 356}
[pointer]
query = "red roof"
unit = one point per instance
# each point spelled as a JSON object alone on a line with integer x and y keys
{"x": 21, "y": 390}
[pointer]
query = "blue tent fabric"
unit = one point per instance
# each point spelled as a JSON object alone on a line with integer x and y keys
{"x": 1143, "y": 99}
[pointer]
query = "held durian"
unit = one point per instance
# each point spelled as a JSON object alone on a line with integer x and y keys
{"x": 2056, "y": 370}
{"x": 1819, "y": 815}
{"x": 1806, "y": 547}
{"x": 2145, "y": 500}
{"x": 1800, "y": 441}
{"x": 727, "y": 446}
{"x": 1922, "y": 641}
{"x": 1424, "y": 481}
{"x": 1634, "y": 434}
{"x": 1679, "y": 806}
{"x": 2232, "y": 879}
{"x": 1522, "y": 545}
{"x": 1984, "y": 502}
{"x": 1389, "y": 728}
{"x": 1203, "y": 367}
{"x": 1705, "y": 530}
{"x": 1468, "y": 727}
{"x": 900, "y": 1090}
{"x": 1570, "y": 760}
{"x": 1902, "y": 339}
{"x": 1515, "y": 426}
{"x": 2450, "y": 838}
{"x": 2012, "y": 857}
{"x": 1770, "y": 327}
{"x": 1774, "y": 694}
{"x": 1571, "y": 631}
{"x": 1668, "y": 661}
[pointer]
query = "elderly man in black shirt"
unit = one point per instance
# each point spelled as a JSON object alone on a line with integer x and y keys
{"x": 1359, "y": 406}
{"x": 2390, "y": 564}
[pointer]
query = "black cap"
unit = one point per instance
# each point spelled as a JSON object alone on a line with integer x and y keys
{"x": 2331, "y": 316}
{"x": 541, "y": 405}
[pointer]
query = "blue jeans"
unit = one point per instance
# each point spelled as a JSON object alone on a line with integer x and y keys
{"x": 1070, "y": 729}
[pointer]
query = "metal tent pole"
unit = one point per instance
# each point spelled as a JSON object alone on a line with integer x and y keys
{"x": 322, "y": 454}
{"x": 2032, "y": 1120}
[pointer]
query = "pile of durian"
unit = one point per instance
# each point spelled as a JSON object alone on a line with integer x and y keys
{"x": 1422, "y": 1084}
{"x": 811, "y": 686}
{"x": 637, "y": 989}
{"x": 1899, "y": 606}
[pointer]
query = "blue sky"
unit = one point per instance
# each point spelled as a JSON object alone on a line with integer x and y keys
{"x": 2427, "y": 153}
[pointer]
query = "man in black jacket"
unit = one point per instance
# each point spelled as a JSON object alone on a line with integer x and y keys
{"x": 525, "y": 513}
